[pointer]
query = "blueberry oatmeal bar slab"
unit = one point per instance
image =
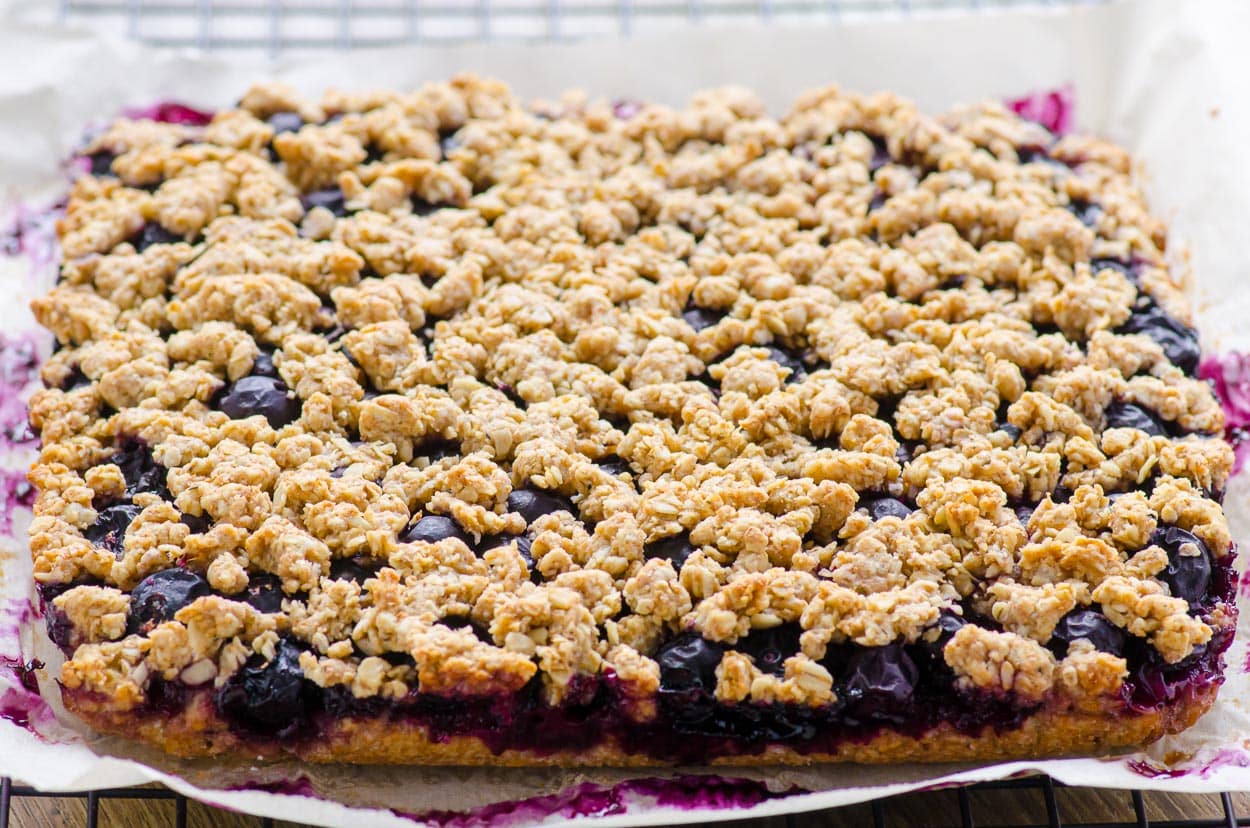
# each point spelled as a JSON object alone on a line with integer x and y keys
{"x": 430, "y": 427}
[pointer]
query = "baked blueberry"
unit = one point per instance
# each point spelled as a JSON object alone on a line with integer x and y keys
{"x": 159, "y": 596}
{"x": 263, "y": 365}
{"x": 285, "y": 122}
{"x": 140, "y": 470}
{"x": 266, "y": 695}
{"x": 524, "y": 542}
{"x": 1124, "y": 268}
{"x": 532, "y": 503}
{"x": 101, "y": 162}
{"x": 700, "y": 318}
{"x": 614, "y": 465}
{"x": 1086, "y": 211}
{"x": 881, "y": 507}
{"x": 1090, "y": 625}
{"x": 110, "y": 525}
{"x": 448, "y": 142}
{"x": 435, "y": 528}
{"x": 674, "y": 548}
{"x": 880, "y": 153}
{"x": 1037, "y": 155}
{"x": 1178, "y": 341}
{"x": 880, "y": 680}
{"x": 331, "y": 198}
{"x": 263, "y": 592}
{"x": 688, "y": 664}
{"x": 152, "y": 233}
{"x": 948, "y": 623}
{"x": 352, "y": 569}
{"x": 267, "y": 396}
{"x": 1024, "y": 514}
{"x": 1012, "y": 431}
{"x": 1188, "y": 573}
{"x": 770, "y": 648}
{"x": 789, "y": 359}
{"x": 1130, "y": 415}
{"x": 198, "y": 524}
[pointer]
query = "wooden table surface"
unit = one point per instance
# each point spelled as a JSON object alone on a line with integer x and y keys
{"x": 937, "y": 809}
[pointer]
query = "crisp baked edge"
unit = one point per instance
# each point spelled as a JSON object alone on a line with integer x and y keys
{"x": 197, "y": 730}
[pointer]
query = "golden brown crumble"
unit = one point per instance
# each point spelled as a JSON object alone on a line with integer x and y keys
{"x": 704, "y": 327}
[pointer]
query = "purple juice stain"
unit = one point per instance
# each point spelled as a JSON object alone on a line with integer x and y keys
{"x": 1053, "y": 108}
{"x": 588, "y": 799}
{"x": 170, "y": 112}
{"x": 15, "y": 492}
{"x": 1229, "y": 376}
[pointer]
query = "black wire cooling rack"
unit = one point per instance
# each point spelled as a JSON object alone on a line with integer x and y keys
{"x": 881, "y": 810}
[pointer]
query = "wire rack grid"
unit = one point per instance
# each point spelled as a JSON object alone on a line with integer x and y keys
{"x": 278, "y": 27}
{"x": 285, "y": 26}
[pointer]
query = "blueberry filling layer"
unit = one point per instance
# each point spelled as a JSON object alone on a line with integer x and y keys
{"x": 899, "y": 688}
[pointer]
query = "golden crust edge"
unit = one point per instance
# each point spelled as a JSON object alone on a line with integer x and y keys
{"x": 198, "y": 731}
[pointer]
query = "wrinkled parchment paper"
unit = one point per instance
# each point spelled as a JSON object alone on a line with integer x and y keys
{"x": 1165, "y": 79}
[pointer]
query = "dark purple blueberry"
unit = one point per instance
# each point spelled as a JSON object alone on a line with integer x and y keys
{"x": 880, "y": 153}
{"x": 352, "y": 569}
{"x": 448, "y": 142}
{"x": 159, "y": 596}
{"x": 947, "y": 625}
{"x": 1125, "y": 269}
{"x": 878, "y": 200}
{"x": 263, "y": 365}
{"x": 770, "y": 648}
{"x": 1188, "y": 573}
{"x": 266, "y": 696}
{"x": 198, "y": 524}
{"x": 435, "y": 528}
{"x": 700, "y": 318}
{"x": 285, "y": 122}
{"x": 436, "y": 450}
{"x": 1129, "y": 415}
{"x": 263, "y": 592}
{"x": 110, "y": 525}
{"x": 675, "y": 549}
{"x": 151, "y": 234}
{"x": 1037, "y": 155}
{"x": 613, "y": 465}
{"x": 1091, "y": 625}
{"x": 74, "y": 379}
{"x": 331, "y": 198}
{"x": 533, "y": 503}
{"x": 1178, "y": 341}
{"x": 141, "y": 471}
{"x": 880, "y": 680}
{"x": 60, "y": 629}
{"x": 421, "y": 207}
{"x": 1012, "y": 431}
{"x": 789, "y": 359}
{"x": 461, "y": 622}
{"x": 1087, "y": 211}
{"x": 688, "y": 663}
{"x": 267, "y": 396}
{"x": 101, "y": 162}
{"x": 524, "y": 543}
{"x": 882, "y": 507}
{"x": 1024, "y": 514}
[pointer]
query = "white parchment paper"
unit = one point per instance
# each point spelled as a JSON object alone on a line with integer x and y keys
{"x": 1165, "y": 79}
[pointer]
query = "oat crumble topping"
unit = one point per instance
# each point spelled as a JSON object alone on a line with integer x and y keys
{"x": 715, "y": 340}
